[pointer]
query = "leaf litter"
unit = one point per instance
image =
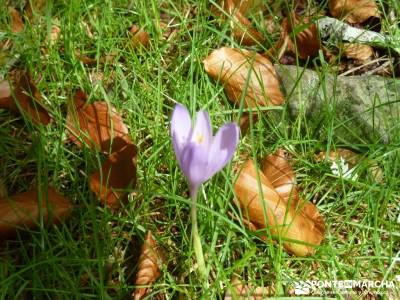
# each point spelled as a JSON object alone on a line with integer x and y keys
{"x": 278, "y": 206}
{"x": 20, "y": 95}
{"x": 278, "y": 177}
{"x": 98, "y": 126}
{"x": 23, "y": 211}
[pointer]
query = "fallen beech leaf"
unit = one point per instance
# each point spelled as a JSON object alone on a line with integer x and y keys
{"x": 276, "y": 167}
{"x": 235, "y": 67}
{"x": 298, "y": 36}
{"x": 358, "y": 52}
{"x": 117, "y": 173}
{"x": 96, "y": 124}
{"x": 307, "y": 40}
{"x": 240, "y": 24}
{"x": 298, "y": 223}
{"x": 27, "y": 98}
{"x": 17, "y": 25}
{"x": 353, "y": 11}
{"x": 24, "y": 210}
{"x": 248, "y": 292}
{"x": 139, "y": 37}
{"x": 148, "y": 267}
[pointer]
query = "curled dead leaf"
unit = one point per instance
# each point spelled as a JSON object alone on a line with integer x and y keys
{"x": 117, "y": 173}
{"x": 139, "y": 37}
{"x": 95, "y": 124}
{"x": 17, "y": 25}
{"x": 23, "y": 211}
{"x": 307, "y": 40}
{"x": 242, "y": 29}
{"x": 358, "y": 52}
{"x": 148, "y": 267}
{"x": 298, "y": 36}
{"x": 353, "y": 11}
{"x": 243, "y": 71}
{"x": 23, "y": 96}
{"x": 280, "y": 174}
{"x": 295, "y": 221}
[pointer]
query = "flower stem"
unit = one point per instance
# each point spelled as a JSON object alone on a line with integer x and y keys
{"x": 198, "y": 250}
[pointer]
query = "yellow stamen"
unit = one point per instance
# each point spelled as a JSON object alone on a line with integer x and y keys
{"x": 199, "y": 138}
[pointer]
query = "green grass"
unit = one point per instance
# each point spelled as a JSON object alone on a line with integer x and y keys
{"x": 93, "y": 254}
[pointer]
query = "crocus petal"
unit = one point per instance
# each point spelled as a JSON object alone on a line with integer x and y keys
{"x": 194, "y": 162}
{"x": 181, "y": 126}
{"x": 223, "y": 147}
{"x": 202, "y": 131}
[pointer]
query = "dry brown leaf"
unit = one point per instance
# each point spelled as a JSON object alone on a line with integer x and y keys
{"x": 17, "y": 25}
{"x": 235, "y": 67}
{"x": 244, "y": 34}
{"x": 298, "y": 222}
{"x": 23, "y": 210}
{"x": 139, "y": 37}
{"x": 148, "y": 267}
{"x": 353, "y": 11}
{"x": 307, "y": 40}
{"x": 241, "y": 26}
{"x": 96, "y": 124}
{"x": 358, "y": 52}
{"x": 298, "y": 36}
{"x": 276, "y": 167}
{"x": 248, "y": 292}
{"x": 117, "y": 173}
{"x": 27, "y": 98}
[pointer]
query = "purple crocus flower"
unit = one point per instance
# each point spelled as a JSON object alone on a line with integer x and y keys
{"x": 199, "y": 153}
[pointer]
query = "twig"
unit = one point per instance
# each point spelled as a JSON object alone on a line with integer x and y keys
{"x": 384, "y": 65}
{"x": 360, "y": 67}
{"x": 338, "y": 31}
